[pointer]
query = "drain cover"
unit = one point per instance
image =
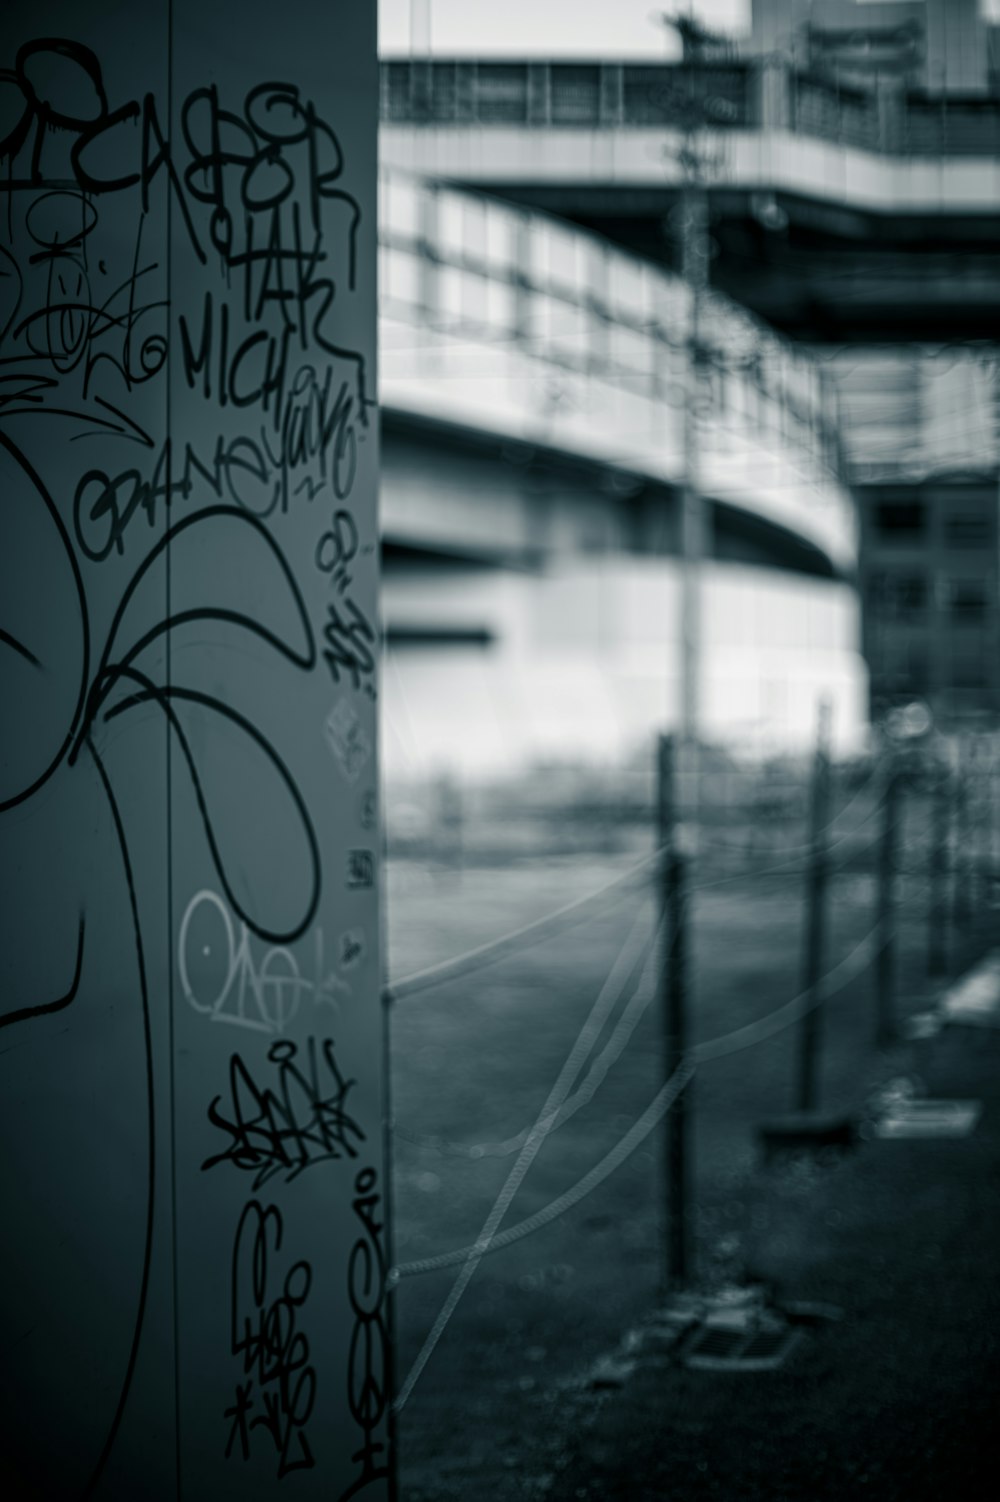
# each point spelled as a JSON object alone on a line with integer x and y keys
{"x": 930, "y": 1118}
{"x": 728, "y": 1350}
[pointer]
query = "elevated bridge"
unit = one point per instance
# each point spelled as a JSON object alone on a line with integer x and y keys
{"x": 532, "y": 382}
{"x": 839, "y": 213}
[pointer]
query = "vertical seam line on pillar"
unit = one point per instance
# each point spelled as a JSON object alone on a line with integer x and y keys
{"x": 169, "y": 809}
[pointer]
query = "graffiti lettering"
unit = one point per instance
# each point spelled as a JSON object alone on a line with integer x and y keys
{"x": 367, "y": 1361}
{"x": 275, "y": 1353}
{"x": 287, "y": 1130}
{"x": 221, "y": 979}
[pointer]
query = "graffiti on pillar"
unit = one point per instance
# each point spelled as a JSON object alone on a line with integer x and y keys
{"x": 109, "y": 616}
{"x": 287, "y": 1130}
{"x": 278, "y": 1392}
{"x": 368, "y": 1358}
{"x": 262, "y": 988}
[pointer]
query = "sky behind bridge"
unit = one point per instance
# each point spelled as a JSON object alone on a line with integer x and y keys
{"x": 520, "y": 28}
{"x": 550, "y": 28}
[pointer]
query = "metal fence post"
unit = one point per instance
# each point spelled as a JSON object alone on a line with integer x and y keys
{"x": 961, "y": 906}
{"x": 816, "y": 884}
{"x": 885, "y": 983}
{"x": 674, "y": 959}
{"x": 937, "y": 911}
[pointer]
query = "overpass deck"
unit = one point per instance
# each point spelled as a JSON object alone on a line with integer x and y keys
{"x": 497, "y": 320}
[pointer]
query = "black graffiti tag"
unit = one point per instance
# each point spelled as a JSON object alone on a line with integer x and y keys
{"x": 278, "y": 1380}
{"x": 302, "y": 1122}
{"x": 368, "y": 1356}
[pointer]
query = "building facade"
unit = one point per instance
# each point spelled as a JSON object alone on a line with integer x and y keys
{"x": 851, "y": 157}
{"x": 534, "y": 384}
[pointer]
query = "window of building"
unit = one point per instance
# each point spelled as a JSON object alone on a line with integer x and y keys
{"x": 897, "y": 594}
{"x": 910, "y": 594}
{"x": 900, "y": 520}
{"x": 907, "y": 668}
{"x": 502, "y": 93}
{"x": 966, "y": 530}
{"x": 968, "y": 672}
{"x": 575, "y": 94}
{"x": 968, "y": 599}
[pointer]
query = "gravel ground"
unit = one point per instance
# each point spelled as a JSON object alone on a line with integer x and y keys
{"x": 900, "y": 1235}
{"x": 896, "y": 1401}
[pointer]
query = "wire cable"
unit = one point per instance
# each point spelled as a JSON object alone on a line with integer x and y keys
{"x": 542, "y": 928}
{"x": 634, "y": 1137}
{"x": 589, "y": 1032}
{"x": 726, "y": 1044}
{"x": 518, "y": 938}
{"x": 870, "y": 778}
{"x": 584, "y": 1094}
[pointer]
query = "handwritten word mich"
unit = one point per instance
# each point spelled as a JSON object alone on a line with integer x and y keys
{"x": 310, "y": 416}
{"x": 301, "y": 1122}
{"x": 221, "y": 979}
{"x": 235, "y": 164}
{"x": 275, "y": 1352}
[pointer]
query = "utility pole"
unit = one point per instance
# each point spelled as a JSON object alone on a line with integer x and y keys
{"x": 961, "y": 904}
{"x": 674, "y": 1000}
{"x": 816, "y": 879}
{"x": 678, "y": 759}
{"x": 690, "y": 221}
{"x": 937, "y": 913}
{"x": 420, "y": 28}
{"x": 885, "y": 968}
{"x": 694, "y": 268}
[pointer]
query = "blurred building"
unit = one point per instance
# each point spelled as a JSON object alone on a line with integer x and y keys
{"x": 533, "y": 386}
{"x": 922, "y": 432}
{"x": 939, "y": 46}
{"x": 852, "y": 160}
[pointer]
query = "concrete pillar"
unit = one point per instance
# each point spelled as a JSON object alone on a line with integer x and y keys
{"x": 193, "y": 1263}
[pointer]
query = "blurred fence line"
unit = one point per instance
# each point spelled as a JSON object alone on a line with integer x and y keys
{"x": 745, "y": 809}
{"x": 917, "y": 819}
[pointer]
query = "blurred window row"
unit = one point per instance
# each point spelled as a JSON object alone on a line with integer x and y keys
{"x": 463, "y": 262}
{"x": 909, "y": 521}
{"x": 723, "y": 95}
{"x": 907, "y": 668}
{"x": 900, "y": 596}
{"x": 470, "y": 229}
{"x": 448, "y": 92}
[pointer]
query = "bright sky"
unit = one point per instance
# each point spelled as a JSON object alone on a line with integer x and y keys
{"x": 520, "y": 28}
{"x": 564, "y": 28}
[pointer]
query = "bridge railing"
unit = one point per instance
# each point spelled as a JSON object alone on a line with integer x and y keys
{"x": 480, "y": 274}
{"x": 752, "y": 94}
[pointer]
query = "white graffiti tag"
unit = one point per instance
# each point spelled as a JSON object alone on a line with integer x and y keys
{"x": 221, "y": 978}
